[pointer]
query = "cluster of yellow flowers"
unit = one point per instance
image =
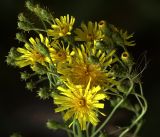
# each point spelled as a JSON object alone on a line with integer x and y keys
{"x": 83, "y": 66}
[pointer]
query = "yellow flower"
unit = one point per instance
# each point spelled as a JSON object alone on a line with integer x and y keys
{"x": 59, "y": 53}
{"x": 88, "y": 33}
{"x": 82, "y": 69}
{"x": 80, "y": 103}
{"x": 80, "y": 73}
{"x": 31, "y": 54}
{"x": 62, "y": 27}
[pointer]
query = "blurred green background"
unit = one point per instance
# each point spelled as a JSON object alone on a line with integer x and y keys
{"x": 21, "y": 111}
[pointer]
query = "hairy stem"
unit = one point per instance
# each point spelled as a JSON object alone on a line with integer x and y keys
{"x": 114, "y": 110}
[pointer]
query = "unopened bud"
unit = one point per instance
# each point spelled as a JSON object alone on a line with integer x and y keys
{"x": 21, "y": 17}
{"x": 40, "y": 12}
{"x": 45, "y": 15}
{"x": 25, "y": 75}
{"x": 39, "y": 68}
{"x": 20, "y": 37}
{"x": 30, "y": 85}
{"x": 51, "y": 124}
{"x": 43, "y": 93}
{"x": 25, "y": 26}
{"x": 12, "y": 55}
{"x": 102, "y": 25}
{"x": 29, "y": 5}
{"x": 125, "y": 57}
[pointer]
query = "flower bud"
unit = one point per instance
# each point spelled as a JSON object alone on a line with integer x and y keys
{"x": 12, "y": 55}
{"x": 102, "y": 25}
{"x": 51, "y": 124}
{"x": 38, "y": 68}
{"x": 30, "y": 85}
{"x": 25, "y": 75}
{"x": 125, "y": 57}
{"x": 20, "y": 37}
{"x": 21, "y": 17}
{"x": 25, "y": 26}
{"x": 40, "y": 12}
{"x": 29, "y": 5}
{"x": 43, "y": 93}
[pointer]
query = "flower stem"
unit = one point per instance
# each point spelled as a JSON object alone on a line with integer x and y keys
{"x": 79, "y": 130}
{"x": 74, "y": 129}
{"x": 87, "y": 132}
{"x": 139, "y": 125}
{"x": 144, "y": 109}
{"x": 67, "y": 130}
{"x": 134, "y": 123}
{"x": 114, "y": 110}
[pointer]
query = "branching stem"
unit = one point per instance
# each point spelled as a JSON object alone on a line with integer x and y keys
{"x": 114, "y": 110}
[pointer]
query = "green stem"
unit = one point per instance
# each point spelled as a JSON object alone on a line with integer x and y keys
{"x": 139, "y": 101}
{"x": 37, "y": 29}
{"x": 87, "y": 132}
{"x": 79, "y": 130}
{"x": 116, "y": 131}
{"x": 114, "y": 110}
{"x": 137, "y": 128}
{"x": 69, "y": 134}
{"x": 141, "y": 89}
{"x": 93, "y": 129}
{"x": 144, "y": 109}
{"x": 132, "y": 125}
{"x": 74, "y": 129}
{"x": 51, "y": 77}
{"x": 41, "y": 80}
{"x": 67, "y": 130}
{"x": 50, "y": 81}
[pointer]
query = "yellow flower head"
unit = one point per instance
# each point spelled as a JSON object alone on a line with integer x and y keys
{"x": 31, "y": 53}
{"x": 88, "y": 33}
{"x": 82, "y": 69}
{"x": 80, "y": 73}
{"x": 80, "y": 103}
{"x": 62, "y": 26}
{"x": 59, "y": 53}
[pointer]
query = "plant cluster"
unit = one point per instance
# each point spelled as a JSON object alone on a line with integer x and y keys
{"x": 81, "y": 68}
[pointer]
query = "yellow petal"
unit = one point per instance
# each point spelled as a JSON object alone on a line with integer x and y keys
{"x": 68, "y": 115}
{"x": 32, "y": 41}
{"x": 41, "y": 37}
